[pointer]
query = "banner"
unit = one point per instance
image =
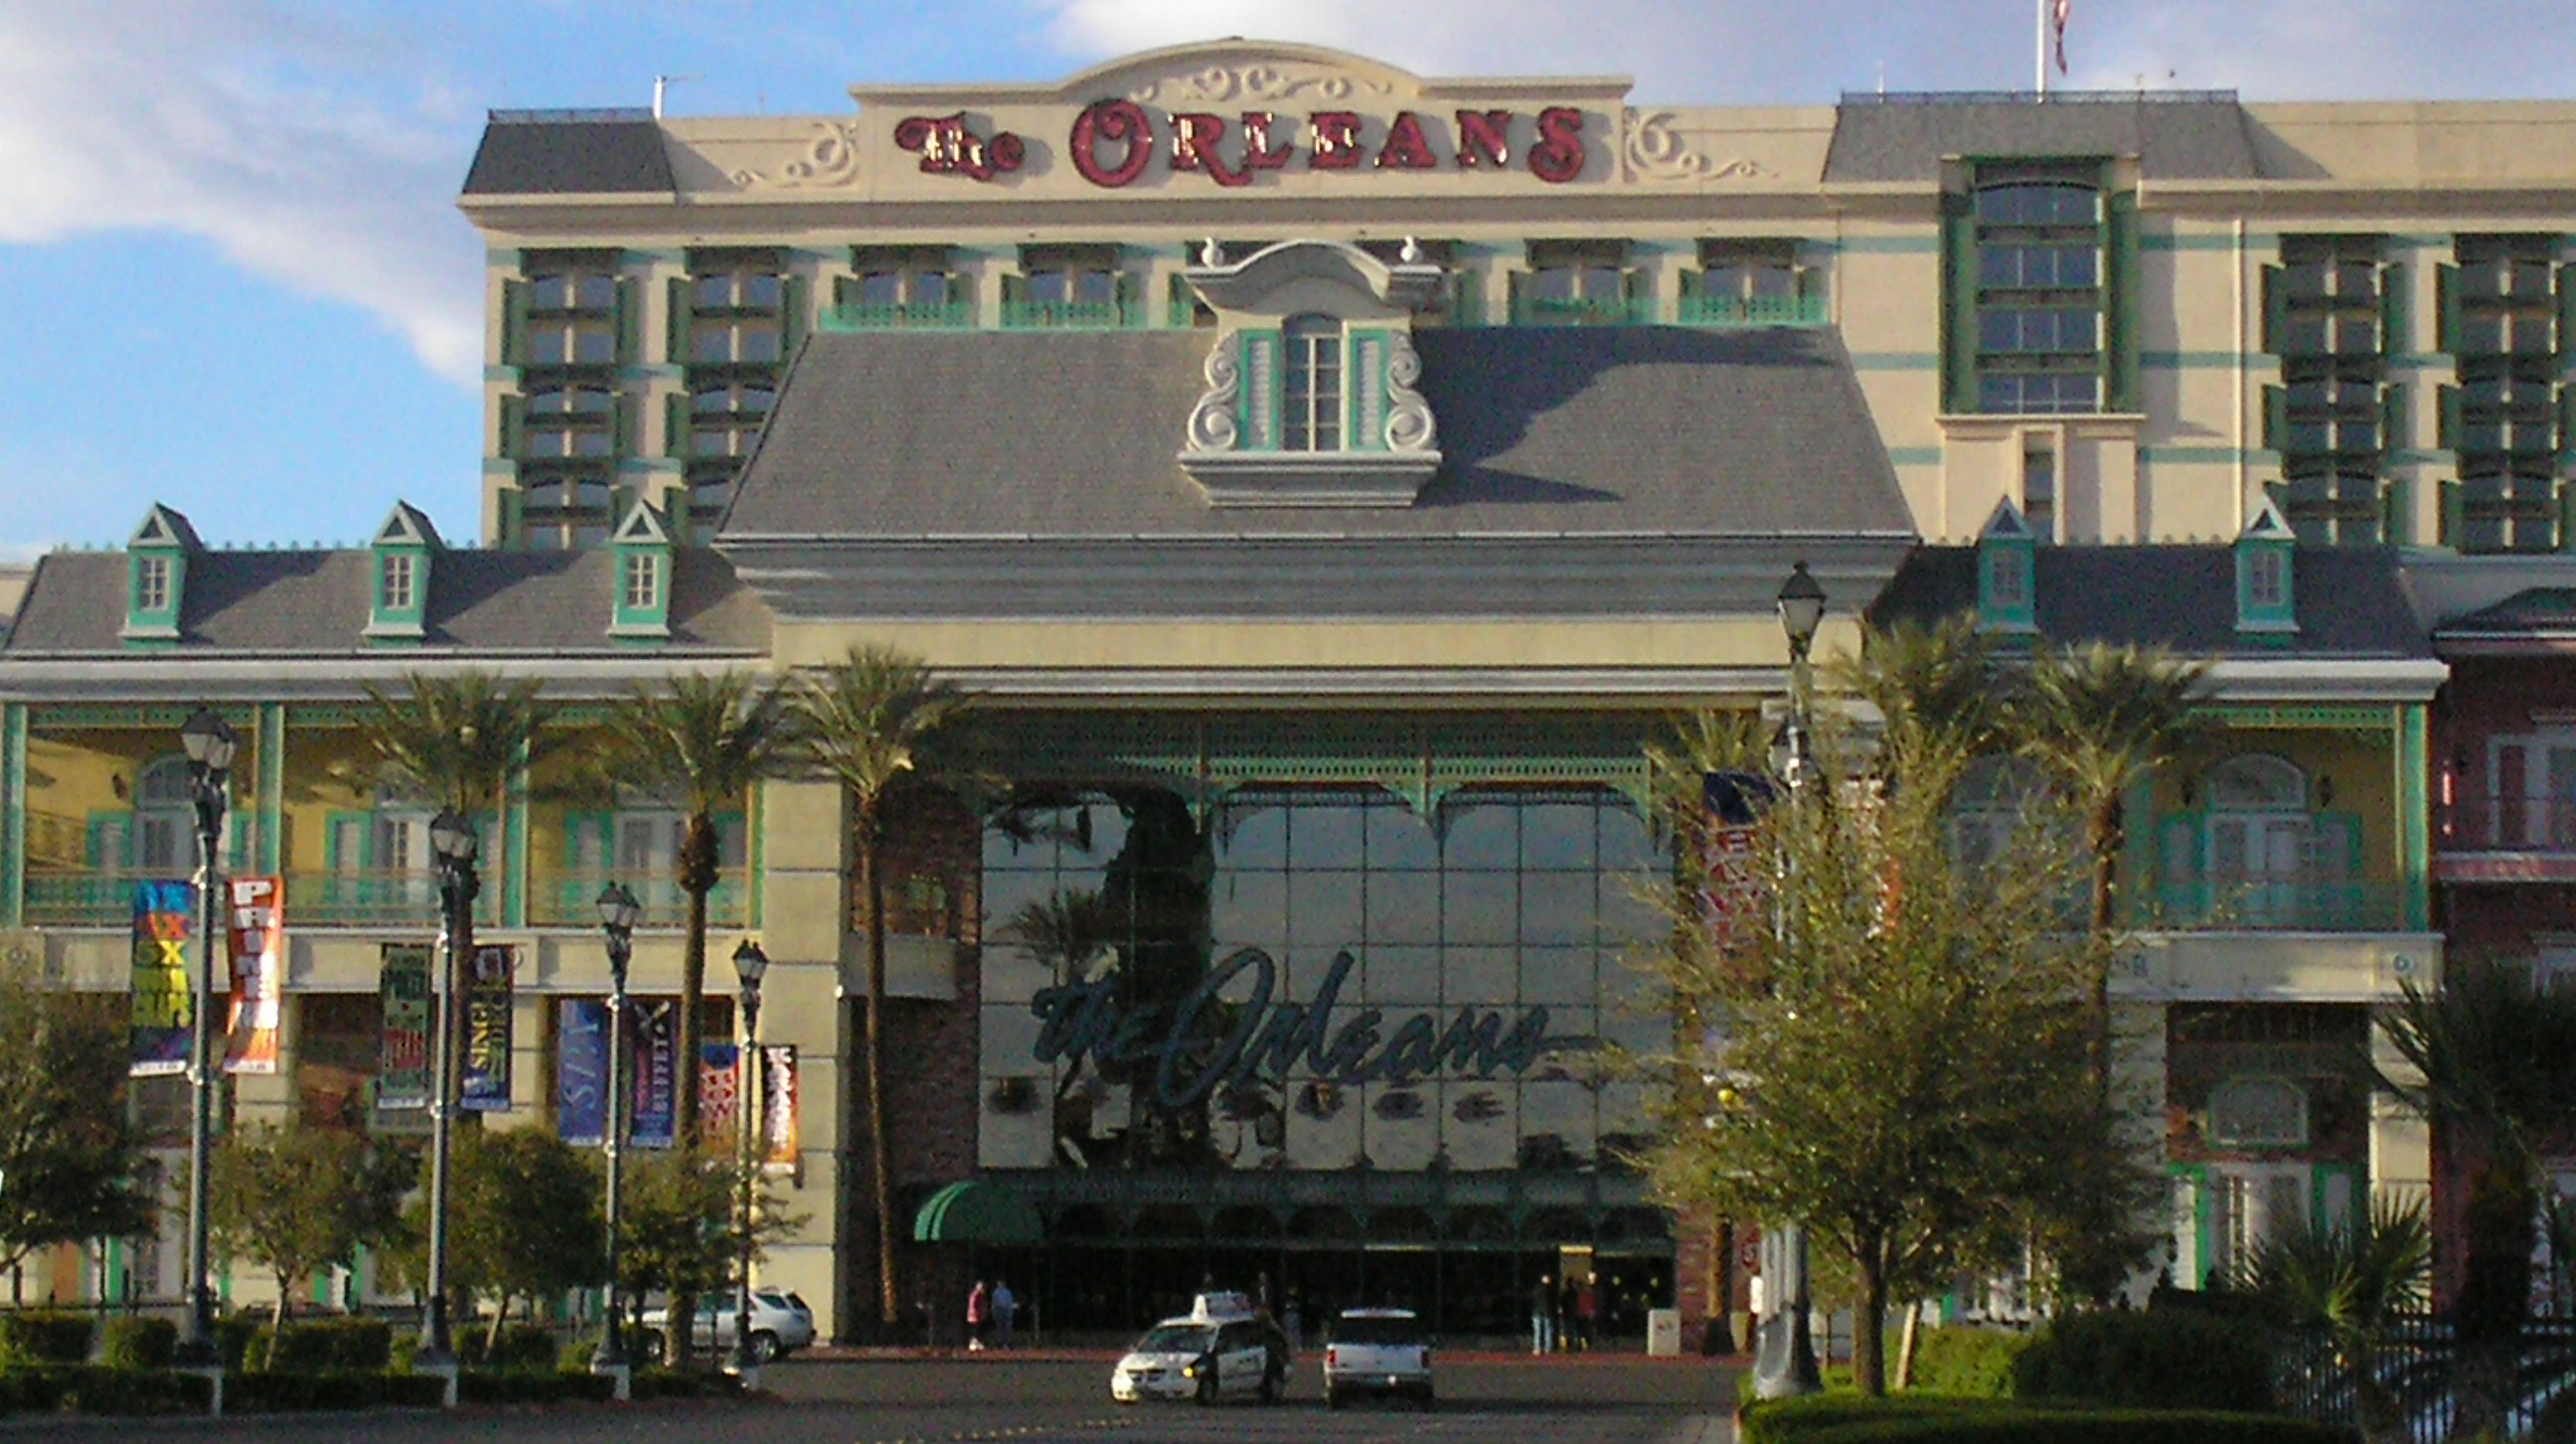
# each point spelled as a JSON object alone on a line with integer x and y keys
{"x": 581, "y": 1071}
{"x": 163, "y": 1000}
{"x": 258, "y": 941}
{"x": 780, "y": 1152}
{"x": 402, "y": 1060}
{"x": 486, "y": 1086}
{"x": 1736, "y": 902}
{"x": 720, "y": 1094}
{"x": 657, "y": 1056}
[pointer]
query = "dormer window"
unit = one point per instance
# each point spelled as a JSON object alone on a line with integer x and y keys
{"x": 2266, "y": 579}
{"x": 397, "y": 585}
{"x": 151, "y": 584}
{"x": 1311, "y": 391}
{"x": 641, "y": 587}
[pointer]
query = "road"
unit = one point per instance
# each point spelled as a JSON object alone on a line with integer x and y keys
{"x": 1024, "y": 1399}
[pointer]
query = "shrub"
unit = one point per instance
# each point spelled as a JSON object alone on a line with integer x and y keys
{"x": 98, "y": 1389}
{"x": 44, "y": 1336}
{"x": 284, "y": 1392}
{"x": 319, "y": 1345}
{"x": 233, "y": 1334}
{"x": 2161, "y": 1358}
{"x": 1967, "y": 1362}
{"x": 134, "y": 1342}
{"x": 1849, "y": 1419}
{"x": 521, "y": 1346}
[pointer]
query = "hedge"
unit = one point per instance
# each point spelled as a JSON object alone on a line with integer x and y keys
{"x": 134, "y": 1341}
{"x": 1849, "y": 1419}
{"x": 521, "y": 1346}
{"x": 282, "y": 1392}
{"x": 44, "y": 1336}
{"x": 98, "y": 1389}
{"x": 337, "y": 1345}
{"x": 2161, "y": 1358}
{"x": 1968, "y": 1362}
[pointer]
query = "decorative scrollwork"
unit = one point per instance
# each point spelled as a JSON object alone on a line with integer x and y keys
{"x": 1212, "y": 425}
{"x": 831, "y": 158}
{"x": 1409, "y": 424}
{"x": 1655, "y": 151}
{"x": 1222, "y": 84}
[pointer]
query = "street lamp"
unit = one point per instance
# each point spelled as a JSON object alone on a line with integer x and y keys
{"x": 453, "y": 838}
{"x": 1784, "y": 1364}
{"x": 209, "y": 741}
{"x": 749, "y": 964}
{"x": 618, "y": 913}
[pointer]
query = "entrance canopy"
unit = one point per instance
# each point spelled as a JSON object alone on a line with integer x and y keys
{"x": 974, "y": 1212}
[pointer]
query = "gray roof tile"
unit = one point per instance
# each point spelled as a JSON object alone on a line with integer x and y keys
{"x": 1904, "y": 138}
{"x": 569, "y": 157}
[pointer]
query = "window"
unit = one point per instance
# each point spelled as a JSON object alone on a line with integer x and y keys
{"x": 571, "y": 315}
{"x": 2038, "y": 310}
{"x": 1310, "y": 400}
{"x": 2500, "y": 421}
{"x": 737, "y": 310}
{"x": 2331, "y": 314}
{"x": 1994, "y": 797}
{"x": 1066, "y": 286}
{"x": 151, "y": 584}
{"x": 2531, "y": 792}
{"x": 2266, "y": 578}
{"x": 1748, "y": 282}
{"x": 571, "y": 422}
{"x": 2039, "y": 487}
{"x": 396, "y": 593}
{"x": 641, "y": 589}
{"x": 1575, "y": 283}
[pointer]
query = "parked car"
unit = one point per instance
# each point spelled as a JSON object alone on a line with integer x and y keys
{"x": 1221, "y": 1349}
{"x": 781, "y": 1323}
{"x": 1377, "y": 1351}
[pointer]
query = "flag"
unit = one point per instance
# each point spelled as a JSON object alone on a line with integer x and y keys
{"x": 2057, "y": 22}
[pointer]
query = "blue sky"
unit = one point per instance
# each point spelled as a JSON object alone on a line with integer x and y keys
{"x": 234, "y": 278}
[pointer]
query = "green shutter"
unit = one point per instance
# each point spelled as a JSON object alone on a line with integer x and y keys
{"x": 514, "y": 424}
{"x": 676, "y": 342}
{"x": 2394, "y": 433}
{"x": 1958, "y": 302}
{"x": 2276, "y": 417}
{"x": 2120, "y": 305}
{"x": 1123, "y": 287}
{"x": 2446, "y": 294}
{"x": 797, "y": 297}
{"x": 1515, "y": 283}
{"x": 2448, "y": 398}
{"x": 2396, "y": 517}
{"x": 514, "y": 323}
{"x": 1257, "y": 425}
{"x": 512, "y": 523}
{"x": 845, "y": 292}
{"x": 2566, "y": 421}
{"x": 629, "y": 324}
{"x": 1693, "y": 283}
{"x": 622, "y": 426}
{"x": 1466, "y": 300}
{"x": 358, "y": 825}
{"x": 1015, "y": 291}
{"x": 2454, "y": 524}
{"x": 2276, "y": 310}
{"x": 2566, "y": 310}
{"x": 2396, "y": 333}
{"x": 1637, "y": 288}
{"x": 675, "y": 424}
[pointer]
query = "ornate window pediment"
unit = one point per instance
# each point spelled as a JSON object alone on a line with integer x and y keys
{"x": 1310, "y": 397}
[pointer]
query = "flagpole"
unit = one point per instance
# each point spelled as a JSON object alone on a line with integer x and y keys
{"x": 2039, "y": 44}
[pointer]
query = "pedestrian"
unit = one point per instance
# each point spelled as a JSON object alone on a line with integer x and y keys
{"x": 1004, "y": 1306}
{"x": 979, "y": 1313}
{"x": 1543, "y": 1316}
{"x": 1295, "y": 1324}
{"x": 1587, "y": 1312}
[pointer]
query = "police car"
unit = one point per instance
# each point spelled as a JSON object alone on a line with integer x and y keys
{"x": 1221, "y": 1349}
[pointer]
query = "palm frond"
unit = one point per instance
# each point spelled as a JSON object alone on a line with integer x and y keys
{"x": 456, "y": 740}
{"x": 875, "y": 716}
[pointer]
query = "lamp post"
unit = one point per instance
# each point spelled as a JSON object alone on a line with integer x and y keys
{"x": 452, "y": 838}
{"x": 618, "y": 912}
{"x": 209, "y": 741}
{"x": 1784, "y": 1364}
{"x": 749, "y": 964}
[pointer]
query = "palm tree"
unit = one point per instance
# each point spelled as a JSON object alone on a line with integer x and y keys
{"x": 698, "y": 743}
{"x": 872, "y": 721}
{"x": 2350, "y": 1282}
{"x": 1941, "y": 681}
{"x": 456, "y": 740}
{"x": 2491, "y": 1058}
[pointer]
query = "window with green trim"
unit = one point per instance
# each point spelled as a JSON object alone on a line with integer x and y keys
{"x": 1579, "y": 283}
{"x": 2333, "y": 312}
{"x": 2039, "y": 290}
{"x": 571, "y": 315}
{"x": 1310, "y": 394}
{"x": 151, "y": 584}
{"x": 2501, "y": 323}
{"x": 1069, "y": 286}
{"x": 1749, "y": 281}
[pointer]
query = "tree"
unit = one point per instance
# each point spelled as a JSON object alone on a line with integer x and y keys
{"x": 70, "y": 1162}
{"x": 679, "y": 1232}
{"x": 456, "y": 741}
{"x": 2490, "y": 1059}
{"x": 2349, "y": 1282}
{"x": 698, "y": 743}
{"x": 874, "y": 721}
{"x": 1901, "y": 1063}
{"x": 294, "y": 1201}
{"x": 523, "y": 1219}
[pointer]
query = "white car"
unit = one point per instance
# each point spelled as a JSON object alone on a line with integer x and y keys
{"x": 781, "y": 1323}
{"x": 1377, "y": 1351}
{"x": 1221, "y": 1350}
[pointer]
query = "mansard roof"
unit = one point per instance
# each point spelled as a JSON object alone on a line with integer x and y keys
{"x": 1904, "y": 138}
{"x": 537, "y": 152}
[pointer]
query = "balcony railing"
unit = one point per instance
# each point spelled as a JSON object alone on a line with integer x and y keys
{"x": 951, "y": 316}
{"x": 1608, "y": 311}
{"x": 571, "y": 899}
{"x": 2273, "y": 904}
{"x": 97, "y": 897}
{"x": 1072, "y": 315}
{"x": 1755, "y": 311}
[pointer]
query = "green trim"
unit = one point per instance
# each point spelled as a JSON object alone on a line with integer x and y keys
{"x": 2120, "y": 299}
{"x": 2286, "y": 716}
{"x": 505, "y": 374}
{"x": 13, "y": 813}
{"x": 1914, "y": 455}
{"x": 269, "y": 800}
{"x": 2413, "y": 760}
{"x": 514, "y": 844}
{"x": 653, "y": 371}
{"x": 1905, "y": 245}
{"x": 2196, "y": 241}
{"x": 1896, "y": 361}
{"x": 1958, "y": 353}
{"x": 2190, "y": 360}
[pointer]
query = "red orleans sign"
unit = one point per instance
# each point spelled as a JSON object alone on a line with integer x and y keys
{"x": 1112, "y": 141}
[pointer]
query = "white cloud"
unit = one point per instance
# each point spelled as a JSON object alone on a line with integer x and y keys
{"x": 259, "y": 127}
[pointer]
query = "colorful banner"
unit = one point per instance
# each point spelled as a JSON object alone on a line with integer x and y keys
{"x": 486, "y": 1087}
{"x": 1736, "y": 903}
{"x": 719, "y": 1095}
{"x": 163, "y": 1001}
{"x": 657, "y": 1055}
{"x": 781, "y": 1151}
{"x": 402, "y": 1060}
{"x": 258, "y": 937}
{"x": 581, "y": 1071}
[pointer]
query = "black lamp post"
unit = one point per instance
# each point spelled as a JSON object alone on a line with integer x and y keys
{"x": 452, "y": 838}
{"x": 1784, "y": 1363}
{"x": 618, "y": 912}
{"x": 749, "y": 964}
{"x": 209, "y": 741}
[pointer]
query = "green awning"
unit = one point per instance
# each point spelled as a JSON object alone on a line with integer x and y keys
{"x": 974, "y": 1212}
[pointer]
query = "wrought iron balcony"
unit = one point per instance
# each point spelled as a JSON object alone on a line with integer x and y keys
{"x": 571, "y": 899}
{"x": 2276, "y": 904}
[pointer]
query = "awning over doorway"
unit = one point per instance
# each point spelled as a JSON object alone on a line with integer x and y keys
{"x": 973, "y": 1212}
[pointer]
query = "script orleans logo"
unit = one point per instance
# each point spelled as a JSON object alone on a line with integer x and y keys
{"x": 1201, "y": 1043}
{"x": 1112, "y": 141}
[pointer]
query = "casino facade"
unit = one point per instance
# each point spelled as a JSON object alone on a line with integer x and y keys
{"x": 1330, "y": 479}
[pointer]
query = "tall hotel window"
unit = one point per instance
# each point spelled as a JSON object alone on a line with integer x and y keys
{"x": 733, "y": 322}
{"x": 2039, "y": 295}
{"x": 2333, "y": 312}
{"x": 2501, "y": 421}
{"x": 2039, "y": 486}
{"x": 1579, "y": 283}
{"x": 1310, "y": 399}
{"x": 1749, "y": 282}
{"x": 568, "y": 327}
{"x": 1069, "y": 286}
{"x": 902, "y": 286}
